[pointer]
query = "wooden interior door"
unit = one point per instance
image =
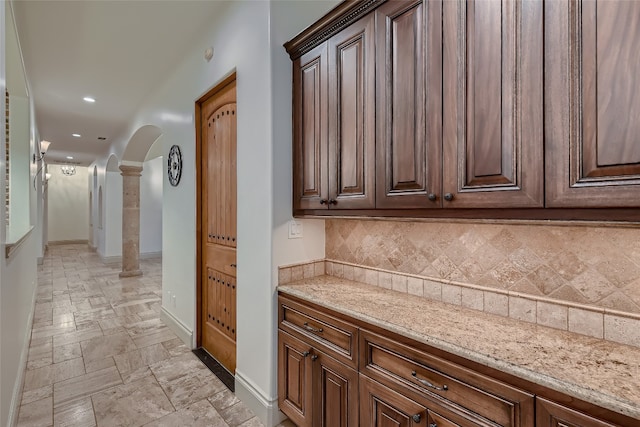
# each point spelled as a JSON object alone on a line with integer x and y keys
{"x": 217, "y": 223}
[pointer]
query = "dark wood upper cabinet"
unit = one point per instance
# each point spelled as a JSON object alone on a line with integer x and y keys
{"x": 310, "y": 129}
{"x": 352, "y": 116}
{"x": 592, "y": 103}
{"x": 334, "y": 121}
{"x": 469, "y": 109}
{"x": 492, "y": 103}
{"x": 409, "y": 104}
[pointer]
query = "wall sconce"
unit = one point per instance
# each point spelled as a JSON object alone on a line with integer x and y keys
{"x": 44, "y": 146}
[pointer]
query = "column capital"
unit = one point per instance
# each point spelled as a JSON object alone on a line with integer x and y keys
{"x": 130, "y": 170}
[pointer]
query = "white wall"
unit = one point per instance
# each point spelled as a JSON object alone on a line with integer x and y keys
{"x": 18, "y": 274}
{"x": 247, "y": 37}
{"x": 151, "y": 206}
{"x": 111, "y": 237}
{"x": 68, "y": 205}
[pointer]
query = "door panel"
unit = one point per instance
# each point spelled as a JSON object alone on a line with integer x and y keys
{"x": 383, "y": 407}
{"x": 592, "y": 142}
{"x": 310, "y": 129}
{"x": 294, "y": 379}
{"x": 493, "y": 104}
{"x": 409, "y": 104}
{"x": 352, "y": 116}
{"x": 337, "y": 389}
{"x": 218, "y": 226}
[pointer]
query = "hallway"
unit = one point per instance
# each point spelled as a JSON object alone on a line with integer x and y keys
{"x": 100, "y": 355}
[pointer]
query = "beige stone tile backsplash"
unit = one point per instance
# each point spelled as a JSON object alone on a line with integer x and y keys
{"x": 595, "y": 266}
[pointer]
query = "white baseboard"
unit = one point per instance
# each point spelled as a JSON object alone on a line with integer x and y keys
{"x": 262, "y": 406}
{"x": 116, "y": 259}
{"x": 71, "y": 242}
{"x": 178, "y": 328}
{"x": 14, "y": 409}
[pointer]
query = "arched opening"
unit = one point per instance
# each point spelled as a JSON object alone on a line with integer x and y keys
{"x": 142, "y": 184}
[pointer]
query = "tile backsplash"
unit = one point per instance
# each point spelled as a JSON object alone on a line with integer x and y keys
{"x": 590, "y": 265}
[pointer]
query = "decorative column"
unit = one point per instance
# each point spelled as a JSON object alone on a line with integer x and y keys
{"x": 130, "y": 220}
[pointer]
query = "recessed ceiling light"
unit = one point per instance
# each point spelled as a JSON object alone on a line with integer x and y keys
{"x": 70, "y": 157}
{"x": 89, "y": 99}
{"x": 77, "y": 135}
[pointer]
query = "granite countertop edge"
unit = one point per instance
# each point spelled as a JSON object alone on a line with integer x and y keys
{"x": 597, "y": 397}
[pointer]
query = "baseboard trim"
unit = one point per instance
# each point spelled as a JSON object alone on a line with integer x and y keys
{"x": 70, "y": 242}
{"x": 17, "y": 388}
{"x": 178, "y": 328}
{"x": 118, "y": 258}
{"x": 262, "y": 406}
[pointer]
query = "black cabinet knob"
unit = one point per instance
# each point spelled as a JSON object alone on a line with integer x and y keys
{"x": 333, "y": 202}
{"x": 416, "y": 418}
{"x": 448, "y": 197}
{"x": 323, "y": 202}
{"x": 432, "y": 197}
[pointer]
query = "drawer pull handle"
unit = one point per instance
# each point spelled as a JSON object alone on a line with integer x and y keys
{"x": 305, "y": 354}
{"x": 427, "y": 383}
{"x": 311, "y": 328}
{"x": 416, "y": 418}
{"x": 314, "y": 357}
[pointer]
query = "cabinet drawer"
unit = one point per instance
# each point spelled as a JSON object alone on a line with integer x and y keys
{"x": 437, "y": 380}
{"x": 333, "y": 336}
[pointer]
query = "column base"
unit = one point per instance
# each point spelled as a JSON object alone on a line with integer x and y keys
{"x": 133, "y": 273}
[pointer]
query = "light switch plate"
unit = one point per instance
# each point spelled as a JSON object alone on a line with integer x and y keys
{"x": 295, "y": 229}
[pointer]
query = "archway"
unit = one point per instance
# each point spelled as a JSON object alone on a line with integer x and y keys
{"x": 131, "y": 170}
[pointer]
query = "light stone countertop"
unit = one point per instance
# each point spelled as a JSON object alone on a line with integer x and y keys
{"x": 604, "y": 373}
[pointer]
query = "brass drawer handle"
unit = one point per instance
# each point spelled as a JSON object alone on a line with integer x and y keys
{"x": 311, "y": 328}
{"x": 427, "y": 383}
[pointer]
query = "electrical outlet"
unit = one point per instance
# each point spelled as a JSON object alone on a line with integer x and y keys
{"x": 295, "y": 229}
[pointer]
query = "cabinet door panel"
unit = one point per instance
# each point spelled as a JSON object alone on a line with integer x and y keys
{"x": 336, "y": 392}
{"x": 383, "y": 407}
{"x": 294, "y": 381}
{"x": 408, "y": 103}
{"x": 310, "y": 129}
{"x": 493, "y": 107}
{"x": 352, "y": 116}
{"x": 592, "y": 107}
{"x": 550, "y": 414}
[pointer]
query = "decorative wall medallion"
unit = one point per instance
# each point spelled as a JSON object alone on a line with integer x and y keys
{"x": 174, "y": 165}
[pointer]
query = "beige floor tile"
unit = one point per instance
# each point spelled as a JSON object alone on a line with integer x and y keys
{"x": 66, "y": 352}
{"x": 236, "y": 414}
{"x": 223, "y": 399}
{"x": 85, "y": 385}
{"x": 75, "y": 414}
{"x": 156, "y": 338}
{"x": 104, "y": 346}
{"x": 146, "y": 327}
{"x": 37, "y": 394}
{"x": 68, "y": 369}
{"x": 176, "y": 367}
{"x": 38, "y": 378}
{"x": 252, "y": 422}
{"x": 200, "y": 414}
{"x": 176, "y": 347}
{"x": 99, "y": 364}
{"x": 191, "y": 388}
{"x": 75, "y": 337}
{"x": 131, "y": 405}
{"x": 36, "y": 414}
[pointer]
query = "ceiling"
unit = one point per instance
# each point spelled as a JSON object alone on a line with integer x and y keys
{"x": 114, "y": 51}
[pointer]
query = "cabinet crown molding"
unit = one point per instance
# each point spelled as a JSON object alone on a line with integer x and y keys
{"x": 333, "y": 22}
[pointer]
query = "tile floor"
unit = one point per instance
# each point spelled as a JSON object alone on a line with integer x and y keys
{"x": 100, "y": 355}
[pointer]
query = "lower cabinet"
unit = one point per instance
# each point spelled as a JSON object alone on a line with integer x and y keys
{"x": 550, "y": 414}
{"x": 333, "y": 371}
{"x": 313, "y": 388}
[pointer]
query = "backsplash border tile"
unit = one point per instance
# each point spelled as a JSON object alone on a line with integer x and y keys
{"x": 596, "y": 322}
